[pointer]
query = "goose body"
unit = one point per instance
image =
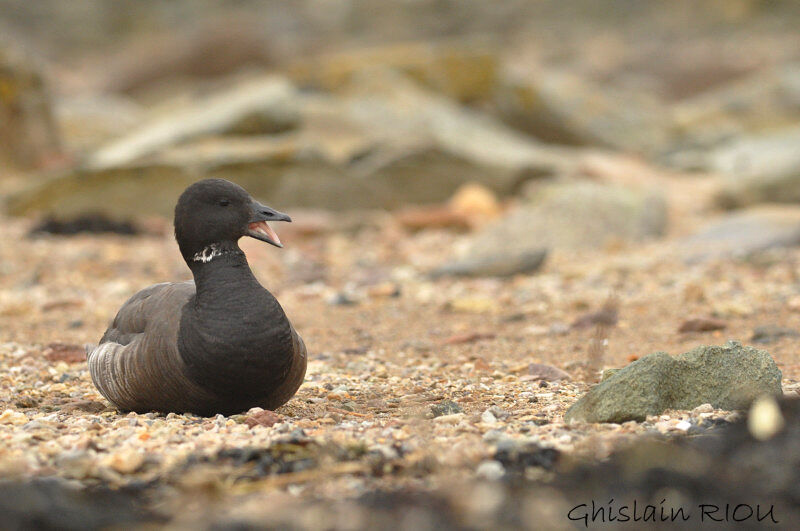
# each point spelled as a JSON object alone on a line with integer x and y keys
{"x": 218, "y": 344}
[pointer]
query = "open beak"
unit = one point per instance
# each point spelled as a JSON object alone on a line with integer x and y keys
{"x": 259, "y": 229}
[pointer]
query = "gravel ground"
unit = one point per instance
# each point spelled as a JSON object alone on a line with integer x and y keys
{"x": 413, "y": 385}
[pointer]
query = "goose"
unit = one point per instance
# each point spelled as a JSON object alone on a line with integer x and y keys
{"x": 219, "y": 344}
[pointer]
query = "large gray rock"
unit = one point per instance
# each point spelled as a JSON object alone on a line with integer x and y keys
{"x": 727, "y": 377}
{"x": 759, "y": 169}
{"x": 744, "y": 233}
{"x": 88, "y": 121}
{"x": 261, "y": 106}
{"x": 762, "y": 101}
{"x": 574, "y": 215}
{"x": 502, "y": 265}
{"x": 561, "y": 215}
{"x": 563, "y": 108}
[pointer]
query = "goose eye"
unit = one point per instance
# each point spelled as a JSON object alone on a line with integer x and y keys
{"x": 224, "y": 202}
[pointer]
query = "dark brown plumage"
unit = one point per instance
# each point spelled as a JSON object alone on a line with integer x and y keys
{"x": 218, "y": 344}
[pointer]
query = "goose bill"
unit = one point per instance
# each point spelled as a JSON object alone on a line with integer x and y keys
{"x": 260, "y": 230}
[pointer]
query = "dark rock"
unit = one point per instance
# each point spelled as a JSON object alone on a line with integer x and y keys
{"x": 727, "y": 377}
{"x": 87, "y": 223}
{"x": 702, "y": 324}
{"x": 468, "y": 337}
{"x": 505, "y": 265}
{"x": 515, "y": 458}
{"x": 294, "y": 455}
{"x": 445, "y": 407}
{"x": 744, "y": 233}
{"x": 606, "y": 316}
{"x": 89, "y": 406}
{"x": 729, "y": 467}
{"x": 771, "y": 333}
{"x": 348, "y": 406}
{"x": 56, "y": 504}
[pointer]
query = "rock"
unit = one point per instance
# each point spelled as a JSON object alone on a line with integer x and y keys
{"x": 219, "y": 46}
{"x": 421, "y": 133}
{"x": 487, "y": 417}
{"x": 772, "y": 333}
{"x": 445, "y": 407}
{"x": 432, "y": 217}
{"x": 608, "y": 373}
{"x": 561, "y": 215}
{"x": 53, "y": 503}
{"x": 280, "y": 169}
{"x": 87, "y": 121}
{"x": 759, "y": 169}
{"x": 473, "y": 305}
{"x": 505, "y": 265}
{"x": 76, "y": 464}
{"x": 560, "y": 107}
{"x": 702, "y": 324}
{"x": 744, "y": 233}
{"x": 363, "y": 151}
{"x": 64, "y": 352}
{"x": 466, "y": 72}
{"x": 475, "y": 202}
{"x": 607, "y": 316}
{"x": 490, "y": 469}
{"x": 516, "y": 457}
{"x": 472, "y": 205}
{"x": 16, "y": 418}
{"x": 547, "y": 373}
{"x": 767, "y": 100}
{"x": 28, "y": 134}
{"x": 89, "y": 406}
{"x": 126, "y": 461}
{"x": 727, "y": 377}
{"x": 262, "y": 418}
{"x": 261, "y": 106}
{"x": 88, "y": 223}
{"x": 468, "y": 337}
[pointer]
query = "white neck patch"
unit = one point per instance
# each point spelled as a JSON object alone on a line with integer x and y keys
{"x": 207, "y": 254}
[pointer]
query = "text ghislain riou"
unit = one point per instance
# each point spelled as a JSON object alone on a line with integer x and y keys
{"x": 704, "y": 512}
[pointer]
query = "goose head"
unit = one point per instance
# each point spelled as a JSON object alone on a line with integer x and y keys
{"x": 212, "y": 214}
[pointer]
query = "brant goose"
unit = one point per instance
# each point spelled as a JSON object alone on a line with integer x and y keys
{"x": 219, "y": 344}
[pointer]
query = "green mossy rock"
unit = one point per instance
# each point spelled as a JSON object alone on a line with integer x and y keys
{"x": 727, "y": 377}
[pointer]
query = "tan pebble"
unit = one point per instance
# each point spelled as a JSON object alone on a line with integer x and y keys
{"x": 475, "y": 201}
{"x": 126, "y": 461}
{"x": 703, "y": 408}
{"x": 473, "y": 305}
{"x": 455, "y": 418}
{"x": 9, "y": 416}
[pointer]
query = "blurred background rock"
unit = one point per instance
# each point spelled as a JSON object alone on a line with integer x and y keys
{"x": 366, "y": 103}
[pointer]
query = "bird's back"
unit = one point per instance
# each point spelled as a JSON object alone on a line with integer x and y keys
{"x": 137, "y": 366}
